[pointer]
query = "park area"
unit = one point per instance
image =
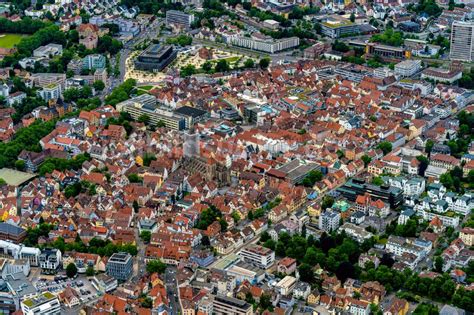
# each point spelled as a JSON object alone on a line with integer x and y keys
{"x": 10, "y": 40}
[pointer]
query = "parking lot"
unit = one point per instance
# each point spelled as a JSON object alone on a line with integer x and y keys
{"x": 81, "y": 284}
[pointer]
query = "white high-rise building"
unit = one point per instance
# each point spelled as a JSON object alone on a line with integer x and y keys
{"x": 462, "y": 41}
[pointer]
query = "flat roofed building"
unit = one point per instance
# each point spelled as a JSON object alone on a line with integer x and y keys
{"x": 354, "y": 187}
{"x": 10, "y": 232}
{"x": 407, "y": 68}
{"x": 119, "y": 266}
{"x": 192, "y": 115}
{"x": 231, "y": 306}
{"x": 146, "y": 104}
{"x": 462, "y": 41}
{"x": 335, "y": 29}
{"x": 265, "y": 44}
{"x": 42, "y": 304}
{"x": 258, "y": 255}
{"x": 179, "y": 18}
{"x": 386, "y": 52}
{"x": 286, "y": 285}
{"x": 155, "y": 58}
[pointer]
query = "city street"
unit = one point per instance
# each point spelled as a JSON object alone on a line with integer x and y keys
{"x": 172, "y": 290}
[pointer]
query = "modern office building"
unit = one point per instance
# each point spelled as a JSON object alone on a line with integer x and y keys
{"x": 155, "y": 58}
{"x": 119, "y": 266}
{"x": 354, "y": 187}
{"x": 179, "y": 19}
{"x": 329, "y": 221}
{"x": 43, "y": 304}
{"x": 94, "y": 61}
{"x": 462, "y": 41}
{"x": 231, "y": 306}
{"x": 146, "y": 104}
{"x": 335, "y": 28}
{"x": 265, "y": 43}
{"x": 258, "y": 256}
{"x": 10, "y": 232}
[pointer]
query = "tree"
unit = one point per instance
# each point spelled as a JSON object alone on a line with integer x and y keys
{"x": 271, "y": 244}
{"x": 207, "y": 67}
{"x": 345, "y": 270}
{"x": 264, "y": 237}
{"x": 265, "y": 302}
{"x": 156, "y": 266}
{"x": 328, "y": 201}
{"x": 144, "y": 118}
{"x": 135, "y": 206}
{"x": 205, "y": 241}
{"x": 145, "y": 236}
{"x": 249, "y": 63}
{"x": 98, "y": 85}
{"x": 306, "y": 273}
{"x": 208, "y": 216}
{"x": 438, "y": 264}
{"x": 340, "y": 46}
{"x": 71, "y": 270}
{"x": 423, "y": 164}
{"x": 2, "y": 182}
{"x": 264, "y": 62}
{"x": 223, "y": 224}
{"x": 90, "y": 271}
{"x": 352, "y": 17}
{"x": 147, "y": 302}
{"x": 387, "y": 260}
{"x": 236, "y": 216}
{"x": 366, "y": 159}
{"x": 134, "y": 178}
{"x": 385, "y": 146}
{"x": 429, "y": 146}
{"x": 20, "y": 165}
{"x": 426, "y": 309}
{"x": 312, "y": 177}
{"x": 377, "y": 180}
{"x": 108, "y": 44}
{"x": 222, "y": 66}
{"x": 187, "y": 71}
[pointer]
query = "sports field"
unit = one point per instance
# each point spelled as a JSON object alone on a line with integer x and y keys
{"x": 9, "y": 40}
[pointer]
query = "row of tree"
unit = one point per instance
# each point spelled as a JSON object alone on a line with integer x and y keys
{"x": 95, "y": 246}
{"x": 441, "y": 288}
{"x": 25, "y": 26}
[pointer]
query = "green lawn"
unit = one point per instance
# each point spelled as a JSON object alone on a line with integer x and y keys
{"x": 10, "y": 40}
